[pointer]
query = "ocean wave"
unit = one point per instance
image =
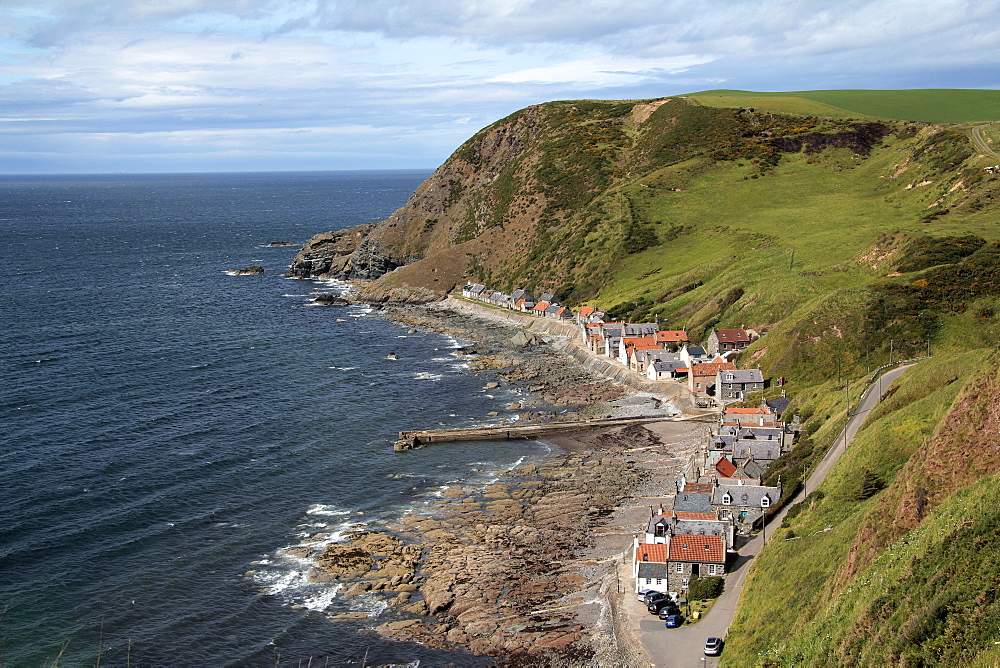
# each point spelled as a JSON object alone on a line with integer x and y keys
{"x": 327, "y": 510}
{"x": 425, "y": 375}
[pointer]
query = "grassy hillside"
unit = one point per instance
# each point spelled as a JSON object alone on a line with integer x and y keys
{"x": 930, "y": 105}
{"x": 845, "y": 241}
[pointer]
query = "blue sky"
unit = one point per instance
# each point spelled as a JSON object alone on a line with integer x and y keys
{"x": 252, "y": 85}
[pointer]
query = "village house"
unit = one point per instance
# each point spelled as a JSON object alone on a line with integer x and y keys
{"x": 693, "y": 502}
{"x": 473, "y": 290}
{"x": 762, "y": 417}
{"x": 744, "y": 504}
{"x": 640, "y": 358}
{"x": 695, "y": 355}
{"x": 737, "y": 384}
{"x": 671, "y": 338}
{"x": 669, "y": 566}
{"x": 662, "y": 526}
{"x": 583, "y": 315}
{"x": 722, "y": 341}
{"x": 688, "y": 556}
{"x": 670, "y": 369}
{"x": 649, "y": 566}
{"x": 629, "y": 343}
{"x": 702, "y": 377}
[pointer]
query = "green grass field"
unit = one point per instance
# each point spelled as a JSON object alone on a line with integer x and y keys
{"x": 930, "y": 105}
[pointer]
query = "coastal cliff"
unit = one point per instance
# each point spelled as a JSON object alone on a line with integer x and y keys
{"x": 848, "y": 244}
{"x": 536, "y": 198}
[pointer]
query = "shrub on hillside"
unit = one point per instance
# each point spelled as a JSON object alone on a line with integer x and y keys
{"x": 704, "y": 588}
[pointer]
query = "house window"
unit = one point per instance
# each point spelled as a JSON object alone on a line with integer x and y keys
{"x": 649, "y": 581}
{"x": 711, "y": 569}
{"x": 679, "y": 568}
{"x": 764, "y": 502}
{"x": 659, "y": 582}
{"x": 730, "y": 377}
{"x": 727, "y": 500}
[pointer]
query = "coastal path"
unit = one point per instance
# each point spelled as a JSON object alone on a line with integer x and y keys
{"x": 980, "y": 141}
{"x": 683, "y": 647}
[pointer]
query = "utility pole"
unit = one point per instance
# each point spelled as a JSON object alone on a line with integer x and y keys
{"x": 847, "y": 399}
{"x": 890, "y": 350}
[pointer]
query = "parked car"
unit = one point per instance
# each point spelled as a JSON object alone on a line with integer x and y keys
{"x": 660, "y": 604}
{"x": 713, "y": 647}
{"x": 656, "y": 596}
{"x": 669, "y": 609}
{"x": 673, "y": 621}
{"x": 644, "y": 593}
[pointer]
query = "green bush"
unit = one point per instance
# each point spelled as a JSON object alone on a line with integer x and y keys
{"x": 704, "y": 588}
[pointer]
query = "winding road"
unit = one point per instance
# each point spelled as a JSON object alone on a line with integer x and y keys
{"x": 981, "y": 142}
{"x": 683, "y": 647}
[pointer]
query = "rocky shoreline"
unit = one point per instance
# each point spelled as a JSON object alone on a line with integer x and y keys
{"x": 522, "y": 570}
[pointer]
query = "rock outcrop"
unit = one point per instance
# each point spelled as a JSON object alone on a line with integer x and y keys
{"x": 249, "y": 270}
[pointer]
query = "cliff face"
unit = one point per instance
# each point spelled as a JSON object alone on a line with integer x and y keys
{"x": 536, "y": 198}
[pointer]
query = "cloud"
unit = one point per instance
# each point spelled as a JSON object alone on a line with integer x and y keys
{"x": 426, "y": 73}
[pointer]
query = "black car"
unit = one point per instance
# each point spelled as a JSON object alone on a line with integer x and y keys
{"x": 655, "y": 596}
{"x": 668, "y": 610}
{"x": 660, "y": 604}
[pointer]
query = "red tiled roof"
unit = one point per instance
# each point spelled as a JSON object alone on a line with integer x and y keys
{"x": 732, "y": 335}
{"x": 636, "y": 340}
{"x": 711, "y": 368}
{"x": 700, "y": 487}
{"x": 541, "y": 306}
{"x": 671, "y": 335}
{"x": 656, "y": 553}
{"x": 704, "y": 549}
{"x": 681, "y": 515}
{"x": 748, "y": 411}
{"x": 586, "y": 310}
{"x": 725, "y": 467}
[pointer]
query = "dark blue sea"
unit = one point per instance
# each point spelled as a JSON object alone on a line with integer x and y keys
{"x": 166, "y": 429}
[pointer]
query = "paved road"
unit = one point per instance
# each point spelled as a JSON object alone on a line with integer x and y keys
{"x": 980, "y": 141}
{"x": 682, "y": 648}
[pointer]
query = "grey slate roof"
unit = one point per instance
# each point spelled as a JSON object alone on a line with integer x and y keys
{"x": 664, "y": 367}
{"x": 742, "y": 376}
{"x": 652, "y": 569}
{"x": 760, "y": 433}
{"x": 693, "y": 502}
{"x": 778, "y": 405}
{"x": 745, "y": 495}
{"x": 766, "y": 451}
{"x": 641, "y": 329}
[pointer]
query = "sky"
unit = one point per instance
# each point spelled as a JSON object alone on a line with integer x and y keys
{"x": 96, "y": 86}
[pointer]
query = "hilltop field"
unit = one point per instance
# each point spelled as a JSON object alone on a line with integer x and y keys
{"x": 854, "y": 228}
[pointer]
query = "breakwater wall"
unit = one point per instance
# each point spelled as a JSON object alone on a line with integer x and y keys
{"x": 410, "y": 440}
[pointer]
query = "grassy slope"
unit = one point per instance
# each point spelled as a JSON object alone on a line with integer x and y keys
{"x": 931, "y": 105}
{"x": 725, "y": 225}
{"x": 928, "y": 596}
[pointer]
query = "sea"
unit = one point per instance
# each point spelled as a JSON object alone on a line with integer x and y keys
{"x": 167, "y": 429}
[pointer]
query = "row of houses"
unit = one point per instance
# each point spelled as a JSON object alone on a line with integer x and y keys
{"x": 723, "y": 500}
{"x": 644, "y": 348}
{"x": 545, "y": 306}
